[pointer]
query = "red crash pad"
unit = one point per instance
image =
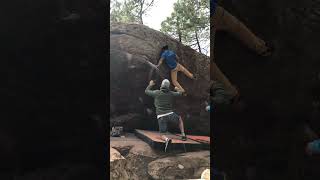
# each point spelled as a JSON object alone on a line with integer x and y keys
{"x": 154, "y": 140}
{"x": 201, "y": 139}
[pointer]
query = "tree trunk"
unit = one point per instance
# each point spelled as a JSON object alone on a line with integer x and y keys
{"x": 178, "y": 29}
{"x": 198, "y": 43}
{"x": 141, "y": 12}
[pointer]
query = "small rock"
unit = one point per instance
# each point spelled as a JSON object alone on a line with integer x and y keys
{"x": 180, "y": 166}
{"x": 206, "y": 174}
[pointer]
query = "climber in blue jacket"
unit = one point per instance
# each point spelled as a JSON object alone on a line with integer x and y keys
{"x": 170, "y": 59}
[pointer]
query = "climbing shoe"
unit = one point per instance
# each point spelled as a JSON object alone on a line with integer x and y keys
{"x": 183, "y": 138}
{"x": 268, "y": 51}
{"x": 195, "y": 77}
{"x": 168, "y": 142}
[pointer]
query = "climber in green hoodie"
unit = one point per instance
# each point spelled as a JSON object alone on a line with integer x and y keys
{"x": 163, "y": 101}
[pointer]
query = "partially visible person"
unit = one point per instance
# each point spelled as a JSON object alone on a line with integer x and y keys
{"x": 313, "y": 147}
{"x": 170, "y": 59}
{"x": 222, "y": 20}
{"x": 163, "y": 101}
{"x": 220, "y": 95}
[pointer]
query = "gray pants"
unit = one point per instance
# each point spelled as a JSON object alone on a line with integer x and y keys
{"x": 163, "y": 122}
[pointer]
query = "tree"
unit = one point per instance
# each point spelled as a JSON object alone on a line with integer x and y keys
{"x": 144, "y": 6}
{"x": 129, "y": 11}
{"x": 122, "y": 12}
{"x": 190, "y": 24}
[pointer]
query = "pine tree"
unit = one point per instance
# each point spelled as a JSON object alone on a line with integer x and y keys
{"x": 190, "y": 23}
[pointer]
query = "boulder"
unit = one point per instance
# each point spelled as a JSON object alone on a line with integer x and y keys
{"x": 134, "y": 49}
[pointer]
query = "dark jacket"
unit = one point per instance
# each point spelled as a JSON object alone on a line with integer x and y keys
{"x": 219, "y": 94}
{"x": 163, "y": 99}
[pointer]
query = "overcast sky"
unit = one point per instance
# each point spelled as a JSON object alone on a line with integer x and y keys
{"x": 158, "y": 13}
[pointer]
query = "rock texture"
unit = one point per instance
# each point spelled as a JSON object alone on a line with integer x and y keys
{"x": 131, "y": 158}
{"x": 278, "y": 91}
{"x": 132, "y": 48}
{"x": 182, "y": 166}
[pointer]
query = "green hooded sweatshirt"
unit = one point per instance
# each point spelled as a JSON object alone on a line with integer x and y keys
{"x": 163, "y": 99}
{"x": 220, "y": 96}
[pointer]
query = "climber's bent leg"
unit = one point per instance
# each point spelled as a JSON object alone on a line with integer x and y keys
{"x": 185, "y": 71}
{"x": 227, "y": 22}
{"x": 163, "y": 128}
{"x": 217, "y": 75}
{"x": 174, "y": 74}
{"x": 181, "y": 126}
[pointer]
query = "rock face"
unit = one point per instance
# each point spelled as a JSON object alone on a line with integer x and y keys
{"x": 132, "y": 48}
{"x": 278, "y": 91}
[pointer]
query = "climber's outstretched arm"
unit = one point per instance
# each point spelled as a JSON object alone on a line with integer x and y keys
{"x": 148, "y": 90}
{"x": 177, "y": 57}
{"x": 160, "y": 62}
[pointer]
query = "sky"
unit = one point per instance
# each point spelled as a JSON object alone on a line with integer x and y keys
{"x": 158, "y": 13}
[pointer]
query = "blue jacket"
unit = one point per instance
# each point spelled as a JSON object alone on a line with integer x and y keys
{"x": 170, "y": 58}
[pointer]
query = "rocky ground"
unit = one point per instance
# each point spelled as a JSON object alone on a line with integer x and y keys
{"x": 132, "y": 158}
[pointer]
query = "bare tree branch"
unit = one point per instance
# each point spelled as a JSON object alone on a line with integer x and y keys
{"x": 150, "y": 4}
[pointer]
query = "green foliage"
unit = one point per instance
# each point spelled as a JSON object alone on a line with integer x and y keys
{"x": 122, "y": 12}
{"x": 190, "y": 23}
{"x": 129, "y": 11}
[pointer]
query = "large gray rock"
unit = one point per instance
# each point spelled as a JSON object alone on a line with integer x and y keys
{"x": 133, "y": 50}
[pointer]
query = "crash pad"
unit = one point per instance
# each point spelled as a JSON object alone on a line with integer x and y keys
{"x": 200, "y": 139}
{"x": 154, "y": 140}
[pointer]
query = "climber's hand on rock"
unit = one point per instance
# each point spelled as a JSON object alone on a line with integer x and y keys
{"x": 152, "y": 83}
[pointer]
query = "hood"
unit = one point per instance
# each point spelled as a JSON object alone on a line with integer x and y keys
{"x": 163, "y": 89}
